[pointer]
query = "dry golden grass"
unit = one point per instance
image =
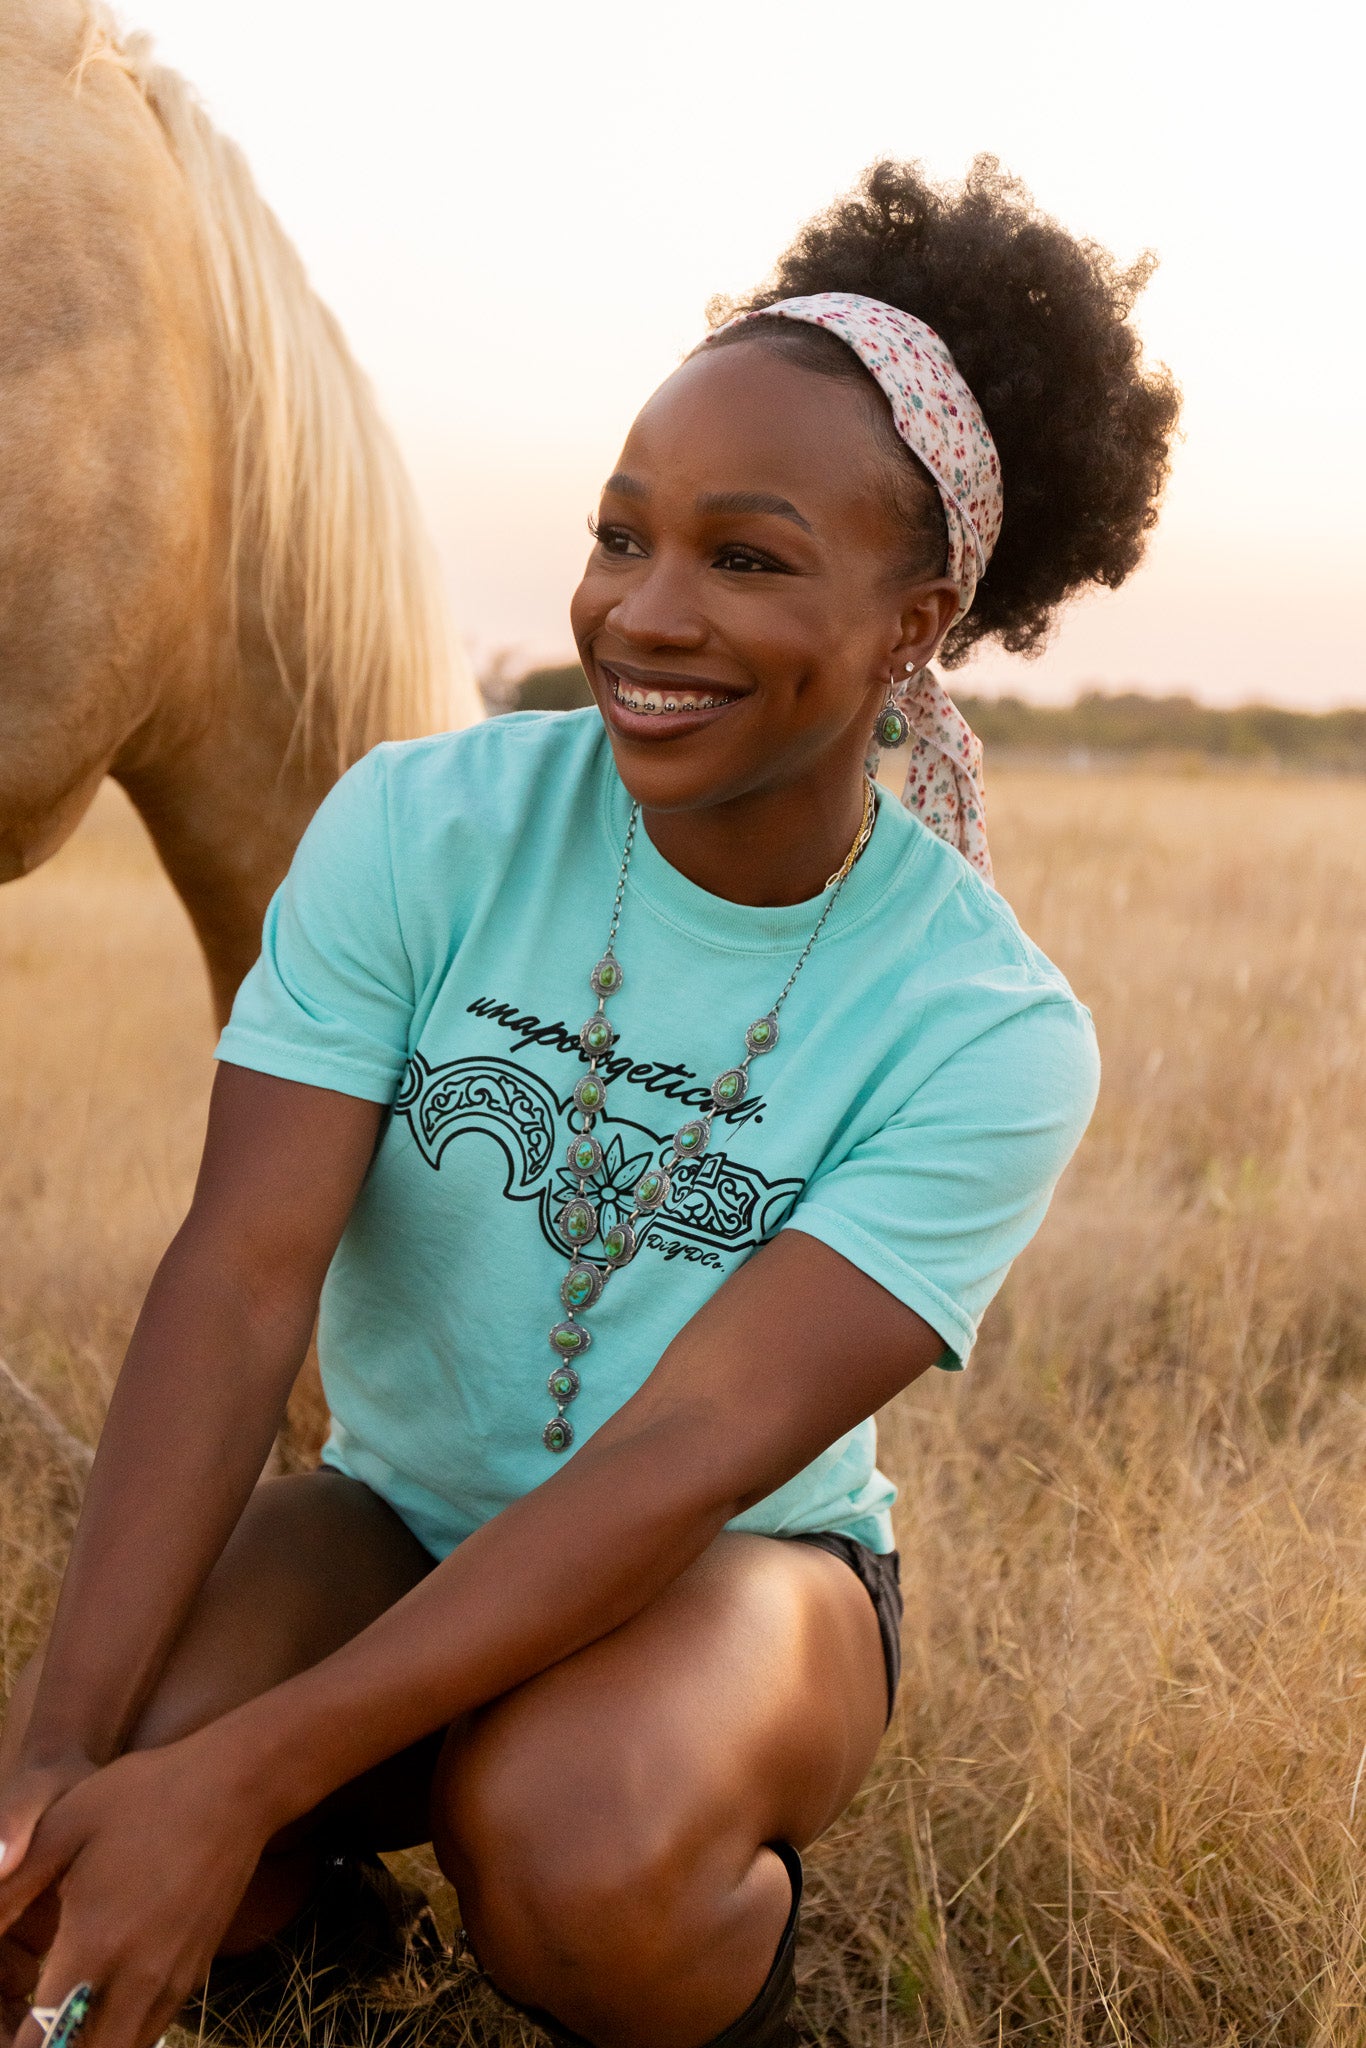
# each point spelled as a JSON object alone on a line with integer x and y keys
{"x": 1125, "y": 1797}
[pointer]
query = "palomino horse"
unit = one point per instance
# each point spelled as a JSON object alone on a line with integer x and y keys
{"x": 214, "y": 584}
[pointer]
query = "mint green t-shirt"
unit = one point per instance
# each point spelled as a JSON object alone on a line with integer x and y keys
{"x": 430, "y": 950}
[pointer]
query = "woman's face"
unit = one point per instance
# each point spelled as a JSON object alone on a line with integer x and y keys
{"x": 741, "y": 615}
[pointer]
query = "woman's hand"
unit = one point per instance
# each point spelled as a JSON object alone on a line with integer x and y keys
{"x": 28, "y": 1790}
{"x": 151, "y": 1856}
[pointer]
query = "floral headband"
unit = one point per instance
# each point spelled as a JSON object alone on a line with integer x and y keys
{"x": 941, "y": 423}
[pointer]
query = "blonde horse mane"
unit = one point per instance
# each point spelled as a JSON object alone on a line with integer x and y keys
{"x": 323, "y": 514}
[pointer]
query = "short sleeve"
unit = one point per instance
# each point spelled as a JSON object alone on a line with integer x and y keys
{"x": 330, "y": 1001}
{"x": 936, "y": 1204}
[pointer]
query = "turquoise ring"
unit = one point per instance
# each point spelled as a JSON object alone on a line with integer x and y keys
{"x": 62, "y": 2023}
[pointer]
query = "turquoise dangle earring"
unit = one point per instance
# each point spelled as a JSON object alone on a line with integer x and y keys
{"x": 893, "y": 728}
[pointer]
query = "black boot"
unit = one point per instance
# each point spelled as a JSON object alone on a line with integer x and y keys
{"x": 363, "y": 1939}
{"x": 764, "y": 2023}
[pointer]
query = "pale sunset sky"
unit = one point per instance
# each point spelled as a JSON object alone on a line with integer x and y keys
{"x": 520, "y": 212}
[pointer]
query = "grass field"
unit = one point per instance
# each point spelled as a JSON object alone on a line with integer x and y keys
{"x": 1125, "y": 1797}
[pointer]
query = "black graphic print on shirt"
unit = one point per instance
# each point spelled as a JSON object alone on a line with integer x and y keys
{"x": 716, "y": 1203}
{"x": 680, "y": 1084}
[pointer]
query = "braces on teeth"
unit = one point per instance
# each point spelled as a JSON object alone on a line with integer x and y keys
{"x": 637, "y": 699}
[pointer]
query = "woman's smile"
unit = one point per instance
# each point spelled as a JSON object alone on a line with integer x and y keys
{"x": 656, "y": 704}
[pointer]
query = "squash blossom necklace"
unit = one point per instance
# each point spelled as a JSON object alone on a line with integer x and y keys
{"x": 577, "y": 1222}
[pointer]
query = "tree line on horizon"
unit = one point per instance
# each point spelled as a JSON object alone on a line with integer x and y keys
{"x": 1128, "y": 723}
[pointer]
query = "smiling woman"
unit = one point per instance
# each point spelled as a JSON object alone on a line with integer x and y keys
{"x": 596, "y": 1587}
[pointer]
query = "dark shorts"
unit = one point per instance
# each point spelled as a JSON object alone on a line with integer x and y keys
{"x": 879, "y": 1574}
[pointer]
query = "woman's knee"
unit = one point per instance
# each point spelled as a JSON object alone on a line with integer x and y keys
{"x": 564, "y": 1874}
{"x": 587, "y": 1894}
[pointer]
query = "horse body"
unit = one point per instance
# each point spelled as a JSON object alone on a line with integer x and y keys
{"x": 214, "y": 585}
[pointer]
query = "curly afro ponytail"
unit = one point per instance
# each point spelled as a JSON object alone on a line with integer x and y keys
{"x": 1039, "y": 324}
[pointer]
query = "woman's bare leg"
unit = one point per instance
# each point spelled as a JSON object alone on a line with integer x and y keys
{"x": 605, "y": 1824}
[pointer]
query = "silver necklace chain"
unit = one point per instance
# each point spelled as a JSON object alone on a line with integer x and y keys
{"x": 578, "y": 1221}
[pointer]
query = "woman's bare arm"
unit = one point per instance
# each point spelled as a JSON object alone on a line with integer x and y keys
{"x": 794, "y": 1349}
{"x": 225, "y": 1325}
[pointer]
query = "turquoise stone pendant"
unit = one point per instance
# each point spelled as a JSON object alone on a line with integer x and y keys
{"x": 619, "y": 1244}
{"x": 690, "y": 1139}
{"x": 762, "y": 1035}
{"x": 893, "y": 727}
{"x": 570, "y": 1339}
{"x": 597, "y": 1034}
{"x": 605, "y": 979}
{"x": 581, "y": 1287}
{"x": 651, "y": 1189}
{"x": 563, "y": 1383}
{"x": 558, "y": 1434}
{"x": 577, "y": 1222}
{"x": 730, "y": 1087}
{"x": 584, "y": 1156}
{"x": 590, "y": 1095}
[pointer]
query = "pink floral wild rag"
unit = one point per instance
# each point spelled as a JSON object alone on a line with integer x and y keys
{"x": 941, "y": 423}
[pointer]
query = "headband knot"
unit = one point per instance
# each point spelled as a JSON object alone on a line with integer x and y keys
{"x": 944, "y": 771}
